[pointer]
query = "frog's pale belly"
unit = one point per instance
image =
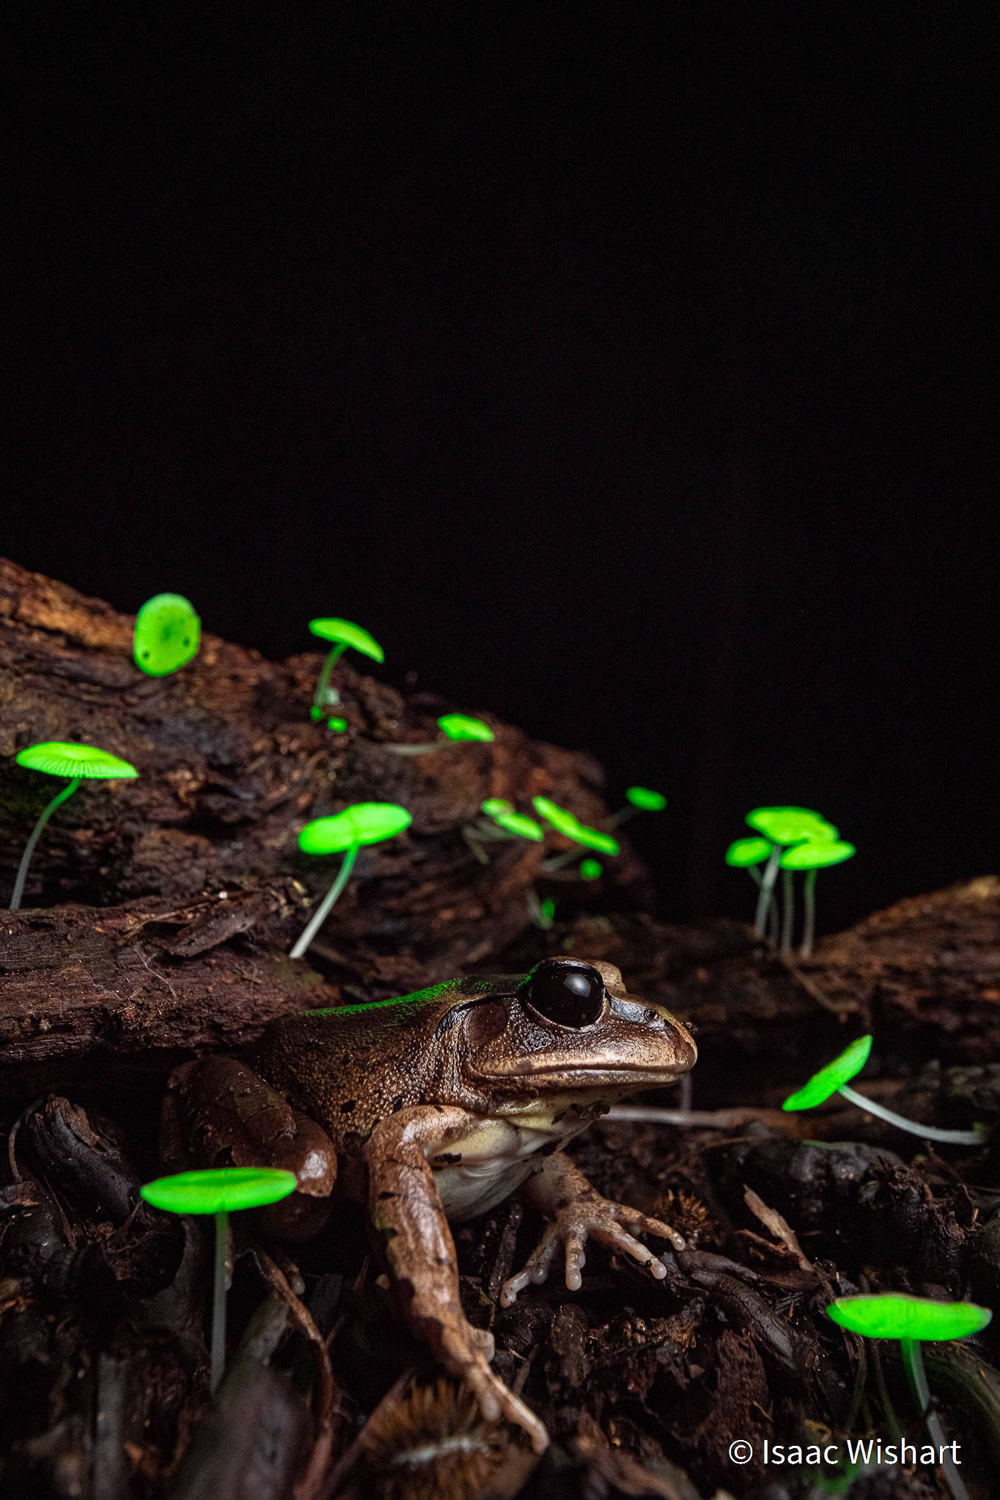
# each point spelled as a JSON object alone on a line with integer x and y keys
{"x": 481, "y": 1170}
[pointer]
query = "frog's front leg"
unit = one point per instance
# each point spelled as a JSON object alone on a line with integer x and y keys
{"x": 576, "y": 1213}
{"x": 407, "y": 1214}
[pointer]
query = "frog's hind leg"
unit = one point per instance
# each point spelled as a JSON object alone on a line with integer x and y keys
{"x": 217, "y": 1112}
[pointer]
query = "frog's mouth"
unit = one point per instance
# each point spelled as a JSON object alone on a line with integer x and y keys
{"x": 584, "y": 1074}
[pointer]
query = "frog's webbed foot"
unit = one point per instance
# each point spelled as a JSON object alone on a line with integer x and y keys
{"x": 576, "y": 1213}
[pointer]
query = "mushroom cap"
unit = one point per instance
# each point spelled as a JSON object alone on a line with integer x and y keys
{"x": 745, "y": 852}
{"x": 644, "y": 797}
{"x": 493, "y": 806}
{"x": 828, "y": 1080}
{"x": 363, "y": 823}
{"x": 817, "y": 854}
{"x": 345, "y": 633}
{"x": 595, "y": 838}
{"x": 895, "y": 1316}
{"x": 167, "y": 634}
{"x": 57, "y": 758}
{"x": 789, "y": 825}
{"x": 591, "y": 869}
{"x": 561, "y": 819}
{"x": 519, "y": 823}
{"x": 461, "y": 727}
{"x": 219, "y": 1190}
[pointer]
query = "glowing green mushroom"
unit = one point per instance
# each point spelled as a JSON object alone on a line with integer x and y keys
{"x": 833, "y": 1080}
{"x": 363, "y": 823}
{"x": 640, "y": 799}
{"x": 915, "y": 1320}
{"x": 744, "y": 854}
{"x": 455, "y": 728}
{"x": 569, "y": 825}
{"x": 813, "y": 856}
{"x": 80, "y": 763}
{"x": 167, "y": 634}
{"x": 493, "y": 806}
{"x": 822, "y": 1085}
{"x": 520, "y": 825}
{"x": 891, "y": 1315}
{"x": 591, "y": 869}
{"x": 561, "y": 819}
{"x": 501, "y": 821}
{"x": 542, "y": 912}
{"x": 219, "y": 1191}
{"x": 343, "y": 634}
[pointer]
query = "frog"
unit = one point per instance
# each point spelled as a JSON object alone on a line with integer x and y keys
{"x": 433, "y": 1108}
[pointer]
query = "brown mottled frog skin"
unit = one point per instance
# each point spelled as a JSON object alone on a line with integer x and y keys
{"x": 437, "y": 1106}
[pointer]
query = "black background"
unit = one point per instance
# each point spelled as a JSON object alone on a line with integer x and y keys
{"x": 627, "y": 369}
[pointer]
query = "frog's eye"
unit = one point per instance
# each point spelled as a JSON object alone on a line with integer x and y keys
{"x": 569, "y": 994}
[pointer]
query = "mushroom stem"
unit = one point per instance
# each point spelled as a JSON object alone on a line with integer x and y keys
{"x": 926, "y": 1132}
{"x": 36, "y": 832}
{"x": 424, "y": 748}
{"x": 560, "y": 861}
{"x": 809, "y": 923}
{"x": 219, "y": 1298}
{"x": 766, "y": 888}
{"x": 787, "y": 910}
{"x": 621, "y": 816}
{"x": 322, "y": 699}
{"x": 322, "y": 911}
{"x": 913, "y": 1364}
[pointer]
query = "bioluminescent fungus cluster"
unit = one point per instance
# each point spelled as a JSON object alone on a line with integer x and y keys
{"x": 788, "y": 839}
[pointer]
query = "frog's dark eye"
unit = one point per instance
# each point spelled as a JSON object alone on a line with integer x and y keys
{"x": 569, "y": 994}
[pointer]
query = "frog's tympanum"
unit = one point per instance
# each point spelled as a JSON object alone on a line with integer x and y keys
{"x": 436, "y": 1107}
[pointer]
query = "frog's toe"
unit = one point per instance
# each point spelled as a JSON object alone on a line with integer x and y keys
{"x": 536, "y": 1268}
{"x": 484, "y": 1342}
{"x": 642, "y": 1224}
{"x": 496, "y": 1401}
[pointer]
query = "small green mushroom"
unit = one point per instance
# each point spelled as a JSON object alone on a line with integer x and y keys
{"x": 812, "y": 856}
{"x": 343, "y": 634}
{"x": 569, "y": 825}
{"x": 542, "y": 912}
{"x": 561, "y": 819}
{"x": 915, "y": 1320}
{"x": 80, "y": 763}
{"x": 167, "y": 634}
{"x": 455, "y": 729}
{"x": 591, "y": 869}
{"x": 833, "y": 1080}
{"x": 640, "y": 799}
{"x": 504, "y": 823}
{"x": 363, "y": 823}
{"x": 519, "y": 825}
{"x": 219, "y": 1191}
